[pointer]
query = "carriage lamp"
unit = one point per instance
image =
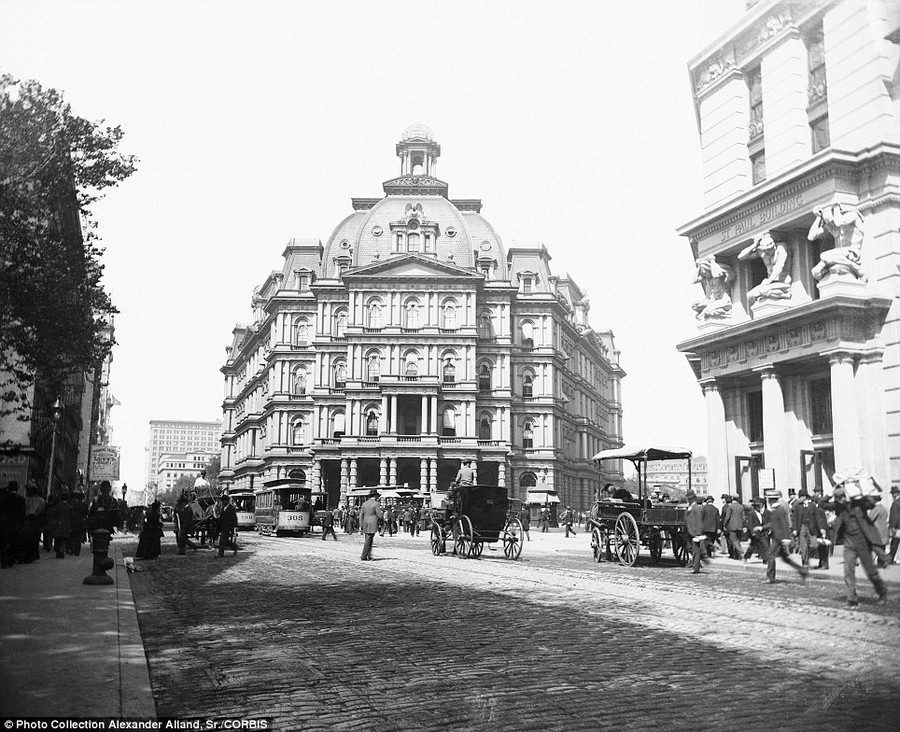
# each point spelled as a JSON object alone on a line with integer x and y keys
{"x": 102, "y": 561}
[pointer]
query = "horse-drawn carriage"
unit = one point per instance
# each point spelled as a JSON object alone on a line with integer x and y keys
{"x": 475, "y": 515}
{"x": 622, "y": 527}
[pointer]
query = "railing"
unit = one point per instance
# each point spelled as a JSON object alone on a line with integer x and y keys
{"x": 409, "y": 378}
{"x": 448, "y": 330}
{"x": 372, "y": 330}
{"x": 489, "y": 443}
{"x": 370, "y": 385}
{"x": 335, "y": 389}
{"x": 410, "y": 330}
{"x": 416, "y": 438}
{"x": 450, "y": 440}
{"x": 449, "y": 384}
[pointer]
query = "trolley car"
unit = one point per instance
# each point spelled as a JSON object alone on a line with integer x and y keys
{"x": 622, "y": 527}
{"x": 283, "y": 507}
{"x": 478, "y": 515}
{"x": 244, "y": 503}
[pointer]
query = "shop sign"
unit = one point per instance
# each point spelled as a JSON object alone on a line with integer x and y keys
{"x": 104, "y": 463}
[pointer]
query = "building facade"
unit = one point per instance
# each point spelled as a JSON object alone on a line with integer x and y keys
{"x": 173, "y": 466}
{"x": 671, "y": 476}
{"x": 411, "y": 340}
{"x": 797, "y": 251}
{"x": 178, "y": 436}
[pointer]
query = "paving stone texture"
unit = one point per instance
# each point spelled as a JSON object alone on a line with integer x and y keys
{"x": 302, "y": 632}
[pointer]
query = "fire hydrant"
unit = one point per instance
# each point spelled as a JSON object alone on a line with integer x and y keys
{"x": 102, "y": 561}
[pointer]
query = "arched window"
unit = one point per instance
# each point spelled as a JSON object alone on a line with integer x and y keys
{"x": 301, "y": 333}
{"x": 484, "y": 428}
{"x": 298, "y": 432}
{"x": 298, "y": 385}
{"x": 412, "y": 367}
{"x": 340, "y": 375}
{"x": 528, "y": 435}
{"x": 337, "y": 425}
{"x": 527, "y": 331}
{"x": 411, "y": 314}
{"x": 527, "y": 480}
{"x": 527, "y": 385}
{"x": 449, "y": 372}
{"x": 449, "y": 320}
{"x": 340, "y": 323}
{"x": 448, "y": 422}
{"x": 485, "y": 326}
{"x": 373, "y": 368}
{"x": 372, "y": 423}
{"x": 484, "y": 377}
{"x": 375, "y": 314}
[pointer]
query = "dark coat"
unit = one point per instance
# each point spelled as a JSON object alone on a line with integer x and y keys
{"x": 733, "y": 516}
{"x": 858, "y": 509}
{"x": 710, "y": 517}
{"x": 693, "y": 520}
{"x": 778, "y": 522}
{"x": 525, "y": 518}
{"x": 228, "y": 519}
{"x": 12, "y": 512}
{"x": 369, "y": 515}
{"x": 801, "y": 514}
{"x": 894, "y": 515}
{"x": 60, "y": 520}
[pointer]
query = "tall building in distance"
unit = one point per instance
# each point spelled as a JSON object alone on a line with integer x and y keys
{"x": 798, "y": 341}
{"x": 179, "y": 436}
{"x": 173, "y": 466}
{"x": 414, "y": 339}
{"x": 671, "y": 476}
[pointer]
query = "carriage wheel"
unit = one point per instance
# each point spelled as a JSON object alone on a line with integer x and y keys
{"x": 477, "y": 548}
{"x": 628, "y": 539}
{"x": 465, "y": 537}
{"x": 655, "y": 543}
{"x": 598, "y": 544}
{"x": 512, "y": 539}
{"x": 438, "y": 545}
{"x": 681, "y": 548}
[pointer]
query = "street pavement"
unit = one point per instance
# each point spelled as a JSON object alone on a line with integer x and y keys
{"x": 301, "y": 632}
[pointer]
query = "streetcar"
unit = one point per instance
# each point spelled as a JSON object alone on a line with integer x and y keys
{"x": 284, "y": 508}
{"x": 244, "y": 502}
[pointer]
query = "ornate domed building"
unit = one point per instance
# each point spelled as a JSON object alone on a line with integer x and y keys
{"x": 411, "y": 340}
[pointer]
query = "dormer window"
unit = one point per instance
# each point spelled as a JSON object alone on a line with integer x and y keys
{"x": 342, "y": 264}
{"x": 529, "y": 281}
{"x": 412, "y": 242}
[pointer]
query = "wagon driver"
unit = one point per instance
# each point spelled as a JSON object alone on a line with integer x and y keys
{"x": 466, "y": 474}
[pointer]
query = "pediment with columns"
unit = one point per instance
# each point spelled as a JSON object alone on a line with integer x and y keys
{"x": 411, "y": 266}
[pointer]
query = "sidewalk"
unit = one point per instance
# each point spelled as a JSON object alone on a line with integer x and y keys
{"x": 68, "y": 649}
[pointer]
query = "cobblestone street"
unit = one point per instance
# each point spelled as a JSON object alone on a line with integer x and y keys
{"x": 301, "y": 631}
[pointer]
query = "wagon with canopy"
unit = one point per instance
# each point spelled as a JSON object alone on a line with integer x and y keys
{"x": 620, "y": 527}
{"x": 472, "y": 516}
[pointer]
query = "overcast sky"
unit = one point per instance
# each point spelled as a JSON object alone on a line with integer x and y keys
{"x": 257, "y": 121}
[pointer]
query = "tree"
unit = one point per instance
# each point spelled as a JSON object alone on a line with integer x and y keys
{"x": 54, "y": 312}
{"x": 212, "y": 472}
{"x": 170, "y": 496}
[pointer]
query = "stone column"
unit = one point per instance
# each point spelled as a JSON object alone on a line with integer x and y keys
{"x": 719, "y": 475}
{"x": 845, "y": 425}
{"x": 344, "y": 475}
{"x": 872, "y": 419}
{"x": 423, "y": 423}
{"x": 383, "y": 417}
{"x": 383, "y": 471}
{"x": 434, "y": 415}
{"x": 501, "y": 475}
{"x": 394, "y": 426}
{"x": 773, "y": 427}
{"x": 432, "y": 481}
{"x": 353, "y": 473}
{"x": 392, "y": 475}
{"x": 423, "y": 472}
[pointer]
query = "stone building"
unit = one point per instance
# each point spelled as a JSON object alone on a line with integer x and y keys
{"x": 414, "y": 339}
{"x": 673, "y": 476}
{"x": 797, "y": 250}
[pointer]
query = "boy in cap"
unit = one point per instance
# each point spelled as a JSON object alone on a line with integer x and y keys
{"x": 777, "y": 520}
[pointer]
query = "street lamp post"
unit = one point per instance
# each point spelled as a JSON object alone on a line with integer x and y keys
{"x": 57, "y": 413}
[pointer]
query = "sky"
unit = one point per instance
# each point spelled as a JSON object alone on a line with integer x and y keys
{"x": 255, "y": 122}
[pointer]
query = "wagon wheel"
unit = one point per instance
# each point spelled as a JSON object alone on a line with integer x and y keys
{"x": 512, "y": 539}
{"x": 681, "y": 548}
{"x": 477, "y": 548}
{"x": 598, "y": 544}
{"x": 628, "y": 539}
{"x": 465, "y": 537}
{"x": 655, "y": 544}
{"x": 438, "y": 541}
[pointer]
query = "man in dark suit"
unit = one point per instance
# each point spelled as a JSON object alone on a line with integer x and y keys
{"x": 759, "y": 542}
{"x": 693, "y": 524}
{"x": 807, "y": 529}
{"x": 894, "y": 524}
{"x": 711, "y": 525}
{"x": 12, "y": 519}
{"x": 777, "y": 521}
{"x": 856, "y": 530}
{"x": 369, "y": 516}
{"x": 227, "y": 525}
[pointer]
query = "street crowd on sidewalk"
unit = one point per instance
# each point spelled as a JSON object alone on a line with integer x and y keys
{"x": 802, "y": 527}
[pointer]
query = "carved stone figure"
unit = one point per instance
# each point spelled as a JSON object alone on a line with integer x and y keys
{"x": 716, "y": 281}
{"x": 846, "y": 226}
{"x": 777, "y": 283}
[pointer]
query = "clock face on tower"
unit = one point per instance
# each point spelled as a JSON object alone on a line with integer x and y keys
{"x": 485, "y": 246}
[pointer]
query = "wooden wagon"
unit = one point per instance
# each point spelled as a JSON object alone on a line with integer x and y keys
{"x": 619, "y": 528}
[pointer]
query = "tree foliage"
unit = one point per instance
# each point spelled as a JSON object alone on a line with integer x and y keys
{"x": 54, "y": 312}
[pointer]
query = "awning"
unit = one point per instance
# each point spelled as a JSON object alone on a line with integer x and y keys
{"x": 637, "y": 452}
{"x": 542, "y": 497}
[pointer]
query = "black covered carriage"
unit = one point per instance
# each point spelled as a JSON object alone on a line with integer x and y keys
{"x": 476, "y": 515}
{"x": 621, "y": 527}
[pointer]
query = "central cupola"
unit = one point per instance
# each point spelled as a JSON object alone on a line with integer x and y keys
{"x": 418, "y": 153}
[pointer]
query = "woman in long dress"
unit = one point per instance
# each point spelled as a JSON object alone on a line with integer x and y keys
{"x": 148, "y": 542}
